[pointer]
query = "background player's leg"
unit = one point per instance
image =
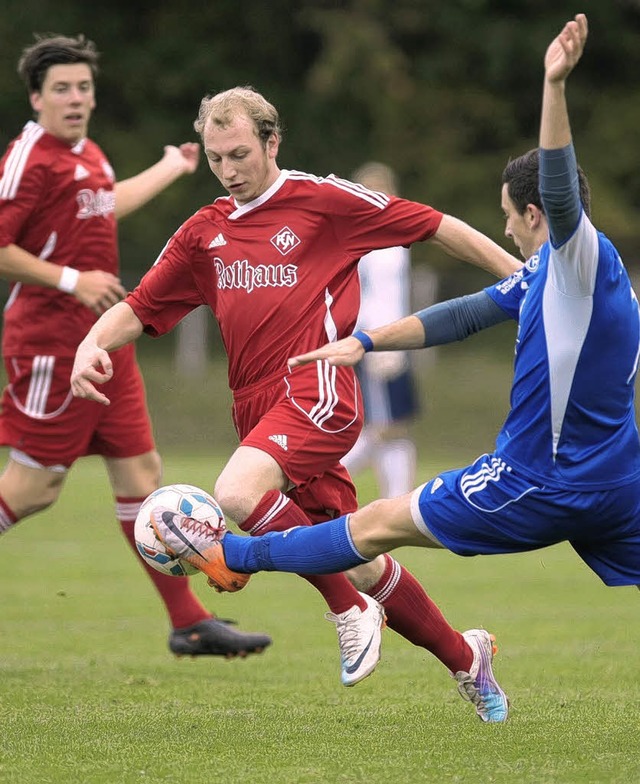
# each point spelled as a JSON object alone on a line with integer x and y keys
{"x": 27, "y": 489}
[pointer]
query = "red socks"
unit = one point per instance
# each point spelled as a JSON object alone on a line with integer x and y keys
{"x": 276, "y": 512}
{"x": 411, "y": 613}
{"x": 7, "y": 517}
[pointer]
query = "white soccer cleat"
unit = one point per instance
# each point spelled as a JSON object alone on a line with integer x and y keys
{"x": 359, "y": 638}
{"x": 479, "y": 685}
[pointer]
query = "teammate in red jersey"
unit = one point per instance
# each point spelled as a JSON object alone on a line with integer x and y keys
{"x": 276, "y": 261}
{"x": 58, "y": 246}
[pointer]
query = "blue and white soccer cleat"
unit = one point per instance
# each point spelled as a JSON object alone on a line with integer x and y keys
{"x": 359, "y": 639}
{"x": 479, "y": 685}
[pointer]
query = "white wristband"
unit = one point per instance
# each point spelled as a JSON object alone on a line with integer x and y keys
{"x": 68, "y": 280}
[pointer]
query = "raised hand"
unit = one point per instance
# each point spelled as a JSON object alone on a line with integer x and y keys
{"x": 186, "y": 156}
{"x": 566, "y": 49}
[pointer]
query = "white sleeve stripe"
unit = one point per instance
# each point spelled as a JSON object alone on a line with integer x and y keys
{"x": 17, "y": 161}
{"x": 373, "y": 197}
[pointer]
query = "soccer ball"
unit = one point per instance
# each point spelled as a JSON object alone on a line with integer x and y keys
{"x": 185, "y": 499}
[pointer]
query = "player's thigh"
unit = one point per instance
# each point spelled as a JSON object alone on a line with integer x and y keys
{"x": 300, "y": 445}
{"x": 248, "y": 475}
{"x": 134, "y": 477}
{"x": 27, "y": 489}
{"x": 609, "y": 539}
{"x": 487, "y": 508}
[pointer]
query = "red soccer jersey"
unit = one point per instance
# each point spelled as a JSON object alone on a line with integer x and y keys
{"x": 279, "y": 273}
{"x": 57, "y": 202}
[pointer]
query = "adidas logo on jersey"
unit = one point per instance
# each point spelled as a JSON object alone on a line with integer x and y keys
{"x": 80, "y": 173}
{"x": 218, "y": 241}
{"x": 281, "y": 441}
{"x": 437, "y": 484}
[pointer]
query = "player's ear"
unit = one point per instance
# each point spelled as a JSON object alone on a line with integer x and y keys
{"x": 35, "y": 99}
{"x": 533, "y": 215}
{"x": 273, "y": 144}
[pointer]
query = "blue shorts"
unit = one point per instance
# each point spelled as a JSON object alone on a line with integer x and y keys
{"x": 388, "y": 400}
{"x": 486, "y": 508}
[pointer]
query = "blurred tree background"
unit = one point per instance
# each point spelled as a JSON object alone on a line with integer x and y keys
{"x": 445, "y": 92}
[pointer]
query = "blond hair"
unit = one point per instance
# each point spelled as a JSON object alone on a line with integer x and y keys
{"x": 222, "y": 108}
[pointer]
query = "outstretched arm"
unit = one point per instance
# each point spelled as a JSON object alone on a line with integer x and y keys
{"x": 444, "y": 322}
{"x": 459, "y": 239}
{"x": 141, "y": 188}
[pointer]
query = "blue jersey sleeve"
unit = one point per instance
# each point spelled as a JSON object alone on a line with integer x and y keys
{"x": 560, "y": 192}
{"x": 458, "y": 318}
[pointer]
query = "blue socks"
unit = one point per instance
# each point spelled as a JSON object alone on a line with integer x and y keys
{"x": 317, "y": 549}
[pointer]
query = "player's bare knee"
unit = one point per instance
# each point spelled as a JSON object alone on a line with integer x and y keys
{"x": 37, "y": 499}
{"x": 235, "y": 503}
{"x": 381, "y": 526}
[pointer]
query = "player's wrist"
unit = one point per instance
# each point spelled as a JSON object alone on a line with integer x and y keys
{"x": 366, "y": 341}
{"x": 68, "y": 280}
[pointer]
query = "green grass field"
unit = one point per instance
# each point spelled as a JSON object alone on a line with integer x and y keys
{"x": 90, "y": 694}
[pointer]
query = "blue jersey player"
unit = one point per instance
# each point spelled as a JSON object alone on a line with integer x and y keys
{"x": 566, "y": 466}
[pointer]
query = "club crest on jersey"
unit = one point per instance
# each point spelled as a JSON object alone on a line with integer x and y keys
{"x": 285, "y": 240}
{"x": 533, "y": 263}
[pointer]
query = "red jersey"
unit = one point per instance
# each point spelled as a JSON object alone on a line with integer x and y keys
{"x": 279, "y": 273}
{"x": 57, "y": 202}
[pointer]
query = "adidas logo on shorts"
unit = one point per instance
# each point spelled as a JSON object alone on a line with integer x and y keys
{"x": 281, "y": 441}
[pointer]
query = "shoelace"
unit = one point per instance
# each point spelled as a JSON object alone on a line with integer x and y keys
{"x": 348, "y": 634}
{"x": 199, "y": 528}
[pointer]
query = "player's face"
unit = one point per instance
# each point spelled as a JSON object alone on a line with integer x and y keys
{"x": 65, "y": 101}
{"x": 521, "y": 229}
{"x": 244, "y": 166}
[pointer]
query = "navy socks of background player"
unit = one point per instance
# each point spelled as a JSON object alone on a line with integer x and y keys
{"x": 325, "y": 548}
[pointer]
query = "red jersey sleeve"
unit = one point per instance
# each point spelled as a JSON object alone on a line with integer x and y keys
{"x": 19, "y": 197}
{"x": 169, "y": 290}
{"x": 366, "y": 220}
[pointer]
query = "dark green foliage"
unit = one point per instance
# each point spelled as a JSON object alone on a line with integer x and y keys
{"x": 445, "y": 92}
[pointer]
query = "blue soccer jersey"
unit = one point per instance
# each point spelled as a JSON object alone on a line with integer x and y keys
{"x": 572, "y": 419}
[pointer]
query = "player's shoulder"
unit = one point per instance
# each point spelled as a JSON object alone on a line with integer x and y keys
{"x": 32, "y": 138}
{"x": 216, "y": 210}
{"x": 334, "y": 188}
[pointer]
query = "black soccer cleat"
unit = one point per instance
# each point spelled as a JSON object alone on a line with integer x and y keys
{"x": 216, "y": 637}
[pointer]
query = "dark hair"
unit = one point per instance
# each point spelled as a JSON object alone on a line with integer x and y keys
{"x": 51, "y": 49}
{"x": 521, "y": 177}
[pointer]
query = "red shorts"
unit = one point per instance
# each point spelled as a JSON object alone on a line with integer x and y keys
{"x": 41, "y": 418}
{"x": 307, "y": 421}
